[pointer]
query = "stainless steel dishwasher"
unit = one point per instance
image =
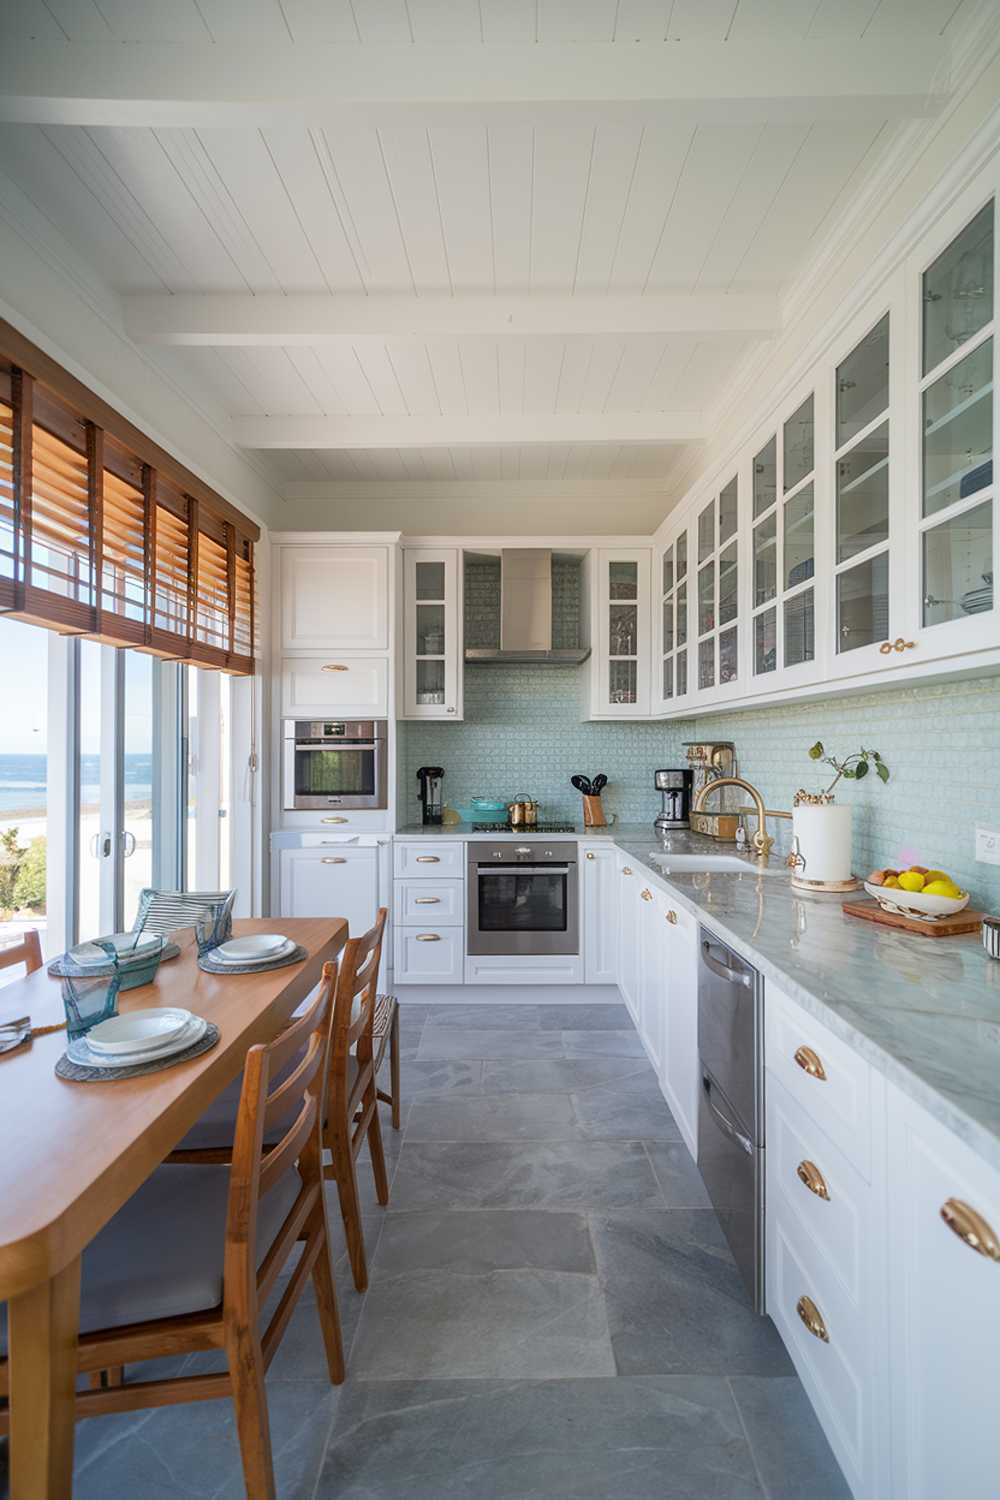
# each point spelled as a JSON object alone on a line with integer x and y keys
{"x": 731, "y": 1102}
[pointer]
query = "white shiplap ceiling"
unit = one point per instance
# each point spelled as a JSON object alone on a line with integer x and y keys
{"x": 583, "y": 198}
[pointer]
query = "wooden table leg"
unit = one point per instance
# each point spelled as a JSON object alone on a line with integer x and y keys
{"x": 44, "y": 1326}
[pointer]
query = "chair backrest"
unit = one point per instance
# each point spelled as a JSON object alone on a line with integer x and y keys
{"x": 165, "y": 911}
{"x": 354, "y": 1023}
{"x": 28, "y": 952}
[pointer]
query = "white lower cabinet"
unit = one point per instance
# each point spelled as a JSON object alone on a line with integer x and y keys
{"x": 628, "y": 935}
{"x": 679, "y": 1072}
{"x": 944, "y": 1310}
{"x": 599, "y": 874}
{"x": 429, "y": 955}
{"x": 652, "y": 982}
{"x": 341, "y": 881}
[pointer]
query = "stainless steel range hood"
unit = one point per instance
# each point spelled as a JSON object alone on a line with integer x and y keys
{"x": 526, "y": 615}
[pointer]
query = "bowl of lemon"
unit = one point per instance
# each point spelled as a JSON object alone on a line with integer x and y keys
{"x": 917, "y": 892}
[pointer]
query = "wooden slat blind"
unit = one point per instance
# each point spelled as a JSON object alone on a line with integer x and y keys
{"x": 96, "y": 541}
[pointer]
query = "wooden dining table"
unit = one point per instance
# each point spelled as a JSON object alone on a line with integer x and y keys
{"x": 75, "y": 1152}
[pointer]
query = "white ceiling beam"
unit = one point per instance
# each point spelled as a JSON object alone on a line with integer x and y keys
{"x": 467, "y": 432}
{"x": 205, "y": 85}
{"x": 314, "y": 320}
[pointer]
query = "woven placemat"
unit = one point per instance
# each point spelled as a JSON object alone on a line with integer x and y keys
{"x": 296, "y": 956}
{"x": 80, "y": 1073}
{"x": 170, "y": 950}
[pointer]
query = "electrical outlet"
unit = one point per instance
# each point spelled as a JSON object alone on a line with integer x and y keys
{"x": 988, "y": 846}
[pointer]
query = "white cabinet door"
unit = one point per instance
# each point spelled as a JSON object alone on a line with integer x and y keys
{"x": 652, "y": 986}
{"x": 622, "y": 647}
{"x": 432, "y": 634}
{"x": 600, "y": 914}
{"x": 944, "y": 1310}
{"x": 429, "y": 955}
{"x": 673, "y": 681}
{"x": 334, "y": 596}
{"x": 330, "y": 883}
{"x": 628, "y": 935}
{"x": 335, "y": 686}
{"x": 679, "y": 1076}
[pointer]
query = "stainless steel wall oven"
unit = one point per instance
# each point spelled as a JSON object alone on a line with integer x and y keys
{"x": 523, "y": 898}
{"x": 333, "y": 763}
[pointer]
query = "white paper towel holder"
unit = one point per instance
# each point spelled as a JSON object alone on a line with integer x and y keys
{"x": 821, "y": 844}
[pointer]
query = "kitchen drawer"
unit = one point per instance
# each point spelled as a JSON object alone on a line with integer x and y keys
{"x": 431, "y": 859}
{"x": 331, "y": 824}
{"x": 418, "y": 902}
{"x": 830, "y": 1081}
{"x": 334, "y": 686}
{"x": 428, "y": 955}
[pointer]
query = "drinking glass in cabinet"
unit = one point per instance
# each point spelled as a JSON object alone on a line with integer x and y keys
{"x": 958, "y": 566}
{"x": 863, "y": 603}
{"x": 682, "y": 615}
{"x": 430, "y": 629}
{"x": 799, "y": 551}
{"x": 863, "y": 383}
{"x": 765, "y": 641}
{"x": 623, "y": 629}
{"x": 958, "y": 431}
{"x": 863, "y": 495}
{"x": 429, "y": 581}
{"x": 765, "y": 477}
{"x": 728, "y": 593}
{"x": 706, "y": 532}
{"x": 682, "y": 673}
{"x": 706, "y": 663}
{"x": 682, "y": 556}
{"x": 430, "y": 681}
{"x": 765, "y": 560}
{"x": 706, "y": 598}
{"x": 800, "y": 628}
{"x": 668, "y": 626}
{"x": 623, "y": 580}
{"x": 727, "y": 512}
{"x": 958, "y": 290}
{"x": 668, "y": 570}
{"x": 728, "y": 656}
{"x": 668, "y": 677}
{"x": 798, "y": 445}
{"x": 623, "y": 682}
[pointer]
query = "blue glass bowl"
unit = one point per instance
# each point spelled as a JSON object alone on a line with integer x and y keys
{"x": 141, "y": 968}
{"x": 134, "y": 966}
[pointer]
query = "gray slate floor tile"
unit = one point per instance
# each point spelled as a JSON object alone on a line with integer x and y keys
{"x": 677, "y": 1174}
{"x": 599, "y": 1017}
{"x": 427, "y": 1080}
{"x": 560, "y": 1075}
{"x": 600, "y": 1174}
{"x": 484, "y": 1240}
{"x": 439, "y": 1043}
{"x": 495, "y": 1117}
{"x": 490, "y": 1017}
{"x": 792, "y": 1454}
{"x": 600, "y": 1044}
{"x": 633, "y": 1109}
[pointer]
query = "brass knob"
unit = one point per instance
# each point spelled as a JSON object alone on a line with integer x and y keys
{"x": 333, "y": 859}
{"x": 590, "y": 854}
{"x": 334, "y": 820}
{"x": 808, "y": 1173}
{"x": 672, "y": 918}
{"x": 646, "y": 895}
{"x": 426, "y": 900}
{"x": 428, "y": 859}
{"x": 812, "y": 1318}
{"x": 428, "y": 937}
{"x": 809, "y": 1062}
{"x": 626, "y": 869}
{"x": 334, "y": 666}
{"x": 971, "y": 1228}
{"x": 897, "y": 645}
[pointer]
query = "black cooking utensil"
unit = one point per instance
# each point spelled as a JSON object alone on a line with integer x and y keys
{"x": 598, "y": 784}
{"x": 582, "y": 784}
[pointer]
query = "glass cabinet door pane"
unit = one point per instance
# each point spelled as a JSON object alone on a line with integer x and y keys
{"x": 429, "y": 581}
{"x": 863, "y": 383}
{"x": 430, "y": 629}
{"x": 623, "y": 580}
{"x": 798, "y": 445}
{"x": 682, "y": 615}
{"x": 958, "y": 431}
{"x": 682, "y": 673}
{"x": 728, "y": 600}
{"x": 863, "y": 495}
{"x": 765, "y": 641}
{"x": 799, "y": 553}
{"x": 623, "y": 629}
{"x": 863, "y": 604}
{"x": 765, "y": 560}
{"x": 728, "y": 656}
{"x": 706, "y": 532}
{"x": 668, "y": 677}
{"x": 430, "y": 681}
{"x": 706, "y": 598}
{"x": 958, "y": 566}
{"x": 958, "y": 290}
{"x": 800, "y": 628}
{"x": 728, "y": 512}
{"x": 623, "y": 682}
{"x": 706, "y": 663}
{"x": 765, "y": 477}
{"x": 668, "y": 570}
{"x": 682, "y": 556}
{"x": 668, "y": 625}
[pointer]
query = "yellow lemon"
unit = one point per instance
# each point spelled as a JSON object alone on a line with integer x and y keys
{"x": 891, "y": 881}
{"x": 942, "y": 888}
{"x": 937, "y": 875}
{"x": 910, "y": 880}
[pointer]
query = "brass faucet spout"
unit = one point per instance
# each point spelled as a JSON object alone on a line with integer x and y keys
{"x": 761, "y": 841}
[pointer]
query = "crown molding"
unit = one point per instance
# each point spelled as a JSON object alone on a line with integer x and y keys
{"x": 419, "y": 490}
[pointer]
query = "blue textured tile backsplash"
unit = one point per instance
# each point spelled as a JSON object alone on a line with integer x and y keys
{"x": 522, "y": 733}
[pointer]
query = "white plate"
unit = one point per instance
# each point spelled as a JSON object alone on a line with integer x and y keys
{"x": 260, "y": 945}
{"x": 915, "y": 903}
{"x": 225, "y": 956}
{"x": 80, "y": 1052}
{"x": 139, "y": 1030}
{"x": 126, "y": 946}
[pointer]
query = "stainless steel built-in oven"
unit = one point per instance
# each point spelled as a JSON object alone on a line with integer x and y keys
{"x": 333, "y": 763}
{"x": 523, "y": 898}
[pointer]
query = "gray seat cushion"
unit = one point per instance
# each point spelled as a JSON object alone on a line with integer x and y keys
{"x": 217, "y": 1126}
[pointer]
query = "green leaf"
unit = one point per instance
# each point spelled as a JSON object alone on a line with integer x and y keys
{"x": 882, "y": 771}
{"x": 850, "y": 773}
{"x": 862, "y": 770}
{"x": 816, "y": 751}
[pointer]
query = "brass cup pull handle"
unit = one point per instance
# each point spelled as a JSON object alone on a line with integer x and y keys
{"x": 590, "y": 854}
{"x": 899, "y": 644}
{"x": 333, "y": 859}
{"x": 972, "y": 1229}
{"x": 426, "y": 900}
{"x": 809, "y": 1174}
{"x": 334, "y": 666}
{"x": 428, "y": 937}
{"x": 333, "y": 820}
{"x": 626, "y": 869}
{"x": 809, "y": 1062}
{"x": 646, "y": 895}
{"x": 672, "y": 918}
{"x": 812, "y": 1318}
{"x": 428, "y": 859}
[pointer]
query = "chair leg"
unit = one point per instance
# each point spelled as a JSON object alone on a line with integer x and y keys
{"x": 378, "y": 1158}
{"x": 350, "y": 1209}
{"x": 326, "y": 1301}
{"x": 246, "y": 1370}
{"x": 394, "y": 1068}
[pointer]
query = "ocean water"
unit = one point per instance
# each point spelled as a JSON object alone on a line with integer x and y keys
{"x": 23, "y": 787}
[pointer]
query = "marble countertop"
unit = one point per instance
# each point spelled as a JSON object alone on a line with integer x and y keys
{"x": 924, "y": 1011}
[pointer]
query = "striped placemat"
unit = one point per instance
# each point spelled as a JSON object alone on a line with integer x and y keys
{"x": 80, "y": 1073}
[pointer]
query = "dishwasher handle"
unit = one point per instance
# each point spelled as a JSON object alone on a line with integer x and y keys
{"x": 723, "y": 1121}
{"x": 732, "y": 976}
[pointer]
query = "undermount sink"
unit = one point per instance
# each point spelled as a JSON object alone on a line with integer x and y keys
{"x": 712, "y": 864}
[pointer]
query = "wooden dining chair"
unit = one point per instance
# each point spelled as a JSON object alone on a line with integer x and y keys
{"x": 189, "y": 1262}
{"x": 386, "y": 1037}
{"x": 352, "y": 1108}
{"x": 28, "y": 952}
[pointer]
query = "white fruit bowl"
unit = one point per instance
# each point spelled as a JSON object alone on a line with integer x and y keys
{"x": 916, "y": 904}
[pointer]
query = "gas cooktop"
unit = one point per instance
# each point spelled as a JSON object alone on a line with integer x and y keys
{"x": 535, "y": 828}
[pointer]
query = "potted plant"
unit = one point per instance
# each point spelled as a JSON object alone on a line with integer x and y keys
{"x": 821, "y": 828}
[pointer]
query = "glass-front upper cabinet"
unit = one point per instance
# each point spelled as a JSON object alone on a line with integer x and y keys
{"x": 674, "y": 683}
{"x": 717, "y": 593}
{"x": 956, "y": 524}
{"x": 432, "y": 634}
{"x": 783, "y": 549}
{"x": 621, "y": 635}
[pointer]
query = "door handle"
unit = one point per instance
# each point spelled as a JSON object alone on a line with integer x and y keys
{"x": 101, "y": 845}
{"x": 128, "y": 843}
{"x": 724, "y": 1123}
{"x": 333, "y": 859}
{"x": 427, "y": 859}
{"x": 733, "y": 976}
{"x": 426, "y": 900}
{"x": 428, "y": 937}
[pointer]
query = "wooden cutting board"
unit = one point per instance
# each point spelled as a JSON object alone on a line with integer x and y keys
{"x": 870, "y": 911}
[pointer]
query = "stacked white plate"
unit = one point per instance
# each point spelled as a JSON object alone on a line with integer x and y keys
{"x": 140, "y": 1036}
{"x": 260, "y": 948}
{"x": 126, "y": 945}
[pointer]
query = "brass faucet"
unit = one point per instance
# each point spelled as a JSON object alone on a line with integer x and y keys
{"x": 761, "y": 841}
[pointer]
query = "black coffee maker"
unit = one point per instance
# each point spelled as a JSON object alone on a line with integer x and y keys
{"x": 431, "y": 799}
